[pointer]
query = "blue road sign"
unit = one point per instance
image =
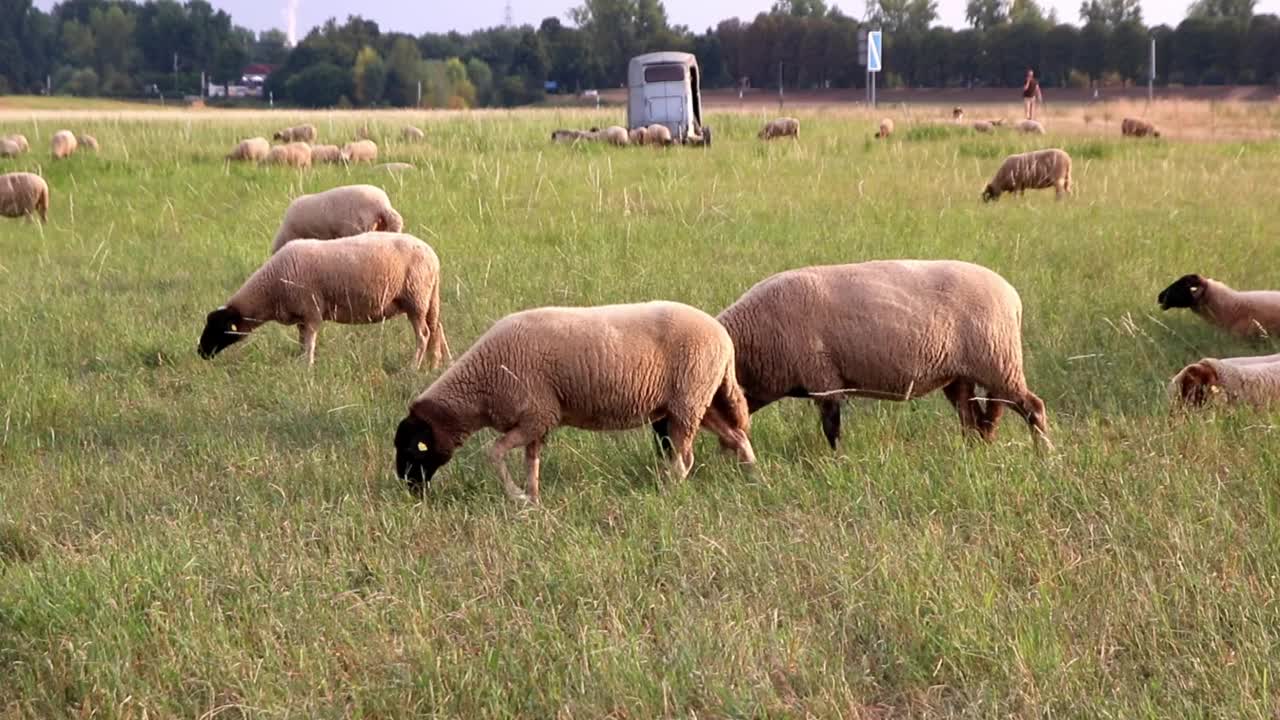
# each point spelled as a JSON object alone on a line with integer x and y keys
{"x": 873, "y": 51}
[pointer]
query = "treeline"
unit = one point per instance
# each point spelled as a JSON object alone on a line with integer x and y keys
{"x": 127, "y": 48}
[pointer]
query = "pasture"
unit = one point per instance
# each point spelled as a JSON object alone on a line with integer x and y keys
{"x": 226, "y": 538}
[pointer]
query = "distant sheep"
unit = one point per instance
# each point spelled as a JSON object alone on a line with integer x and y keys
{"x": 890, "y": 330}
{"x": 355, "y": 280}
{"x": 639, "y": 136}
{"x": 295, "y": 154}
{"x": 1032, "y": 171}
{"x": 300, "y": 133}
{"x": 9, "y": 148}
{"x": 337, "y": 213}
{"x": 23, "y": 194}
{"x": 20, "y": 140}
{"x": 1032, "y": 127}
{"x": 957, "y": 114}
{"x": 331, "y": 154}
{"x": 253, "y": 149}
{"x": 983, "y": 126}
{"x": 413, "y": 134}
{"x": 88, "y": 141}
{"x": 360, "y": 151}
{"x": 613, "y": 135}
{"x": 886, "y": 128}
{"x": 63, "y": 144}
{"x": 596, "y": 368}
{"x": 1135, "y": 127}
{"x": 657, "y": 134}
{"x": 1251, "y": 381}
{"x": 780, "y": 127}
{"x": 394, "y": 166}
{"x": 1248, "y": 314}
{"x": 569, "y": 136}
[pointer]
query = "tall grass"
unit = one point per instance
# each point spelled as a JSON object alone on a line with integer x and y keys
{"x": 182, "y": 538}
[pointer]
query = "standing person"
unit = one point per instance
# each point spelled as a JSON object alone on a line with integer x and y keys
{"x": 1031, "y": 94}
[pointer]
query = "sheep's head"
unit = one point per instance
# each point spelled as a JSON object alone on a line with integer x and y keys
{"x": 223, "y": 328}
{"x": 421, "y": 450}
{"x": 278, "y": 136}
{"x": 1197, "y": 383}
{"x": 1155, "y": 133}
{"x": 990, "y": 193}
{"x": 1185, "y": 292}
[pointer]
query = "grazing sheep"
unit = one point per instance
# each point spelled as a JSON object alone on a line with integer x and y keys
{"x": 88, "y": 141}
{"x": 657, "y": 134}
{"x": 1030, "y": 126}
{"x": 253, "y": 149}
{"x": 996, "y": 122}
{"x": 1034, "y": 170}
{"x": 300, "y": 133}
{"x": 360, "y": 151}
{"x": 413, "y": 134}
{"x": 63, "y": 144}
{"x": 23, "y": 194}
{"x": 780, "y": 127}
{"x": 1234, "y": 381}
{"x": 639, "y": 136}
{"x": 983, "y": 126}
{"x": 569, "y": 136}
{"x": 295, "y": 154}
{"x": 1248, "y": 314}
{"x": 886, "y": 128}
{"x": 21, "y": 141}
{"x": 9, "y": 148}
{"x": 957, "y": 114}
{"x": 354, "y": 280}
{"x": 889, "y": 329}
{"x": 394, "y": 166}
{"x": 614, "y": 135}
{"x": 597, "y": 368}
{"x": 1134, "y": 127}
{"x": 326, "y": 154}
{"x": 338, "y": 213}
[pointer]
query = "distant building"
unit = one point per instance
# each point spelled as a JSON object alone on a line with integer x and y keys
{"x": 253, "y": 78}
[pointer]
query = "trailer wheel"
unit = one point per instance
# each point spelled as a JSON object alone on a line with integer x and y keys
{"x": 706, "y": 136}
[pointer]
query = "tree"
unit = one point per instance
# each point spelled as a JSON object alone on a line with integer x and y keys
{"x": 1110, "y": 12}
{"x": 1239, "y": 9}
{"x": 800, "y": 8}
{"x": 898, "y": 16}
{"x": 369, "y": 77}
{"x": 1027, "y": 11}
{"x": 402, "y": 73}
{"x": 986, "y": 14}
{"x": 1127, "y": 52}
{"x": 320, "y": 85}
{"x": 481, "y": 78}
{"x": 271, "y": 47}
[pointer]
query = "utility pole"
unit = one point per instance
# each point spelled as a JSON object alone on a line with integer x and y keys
{"x": 780, "y": 99}
{"x": 1151, "y": 76}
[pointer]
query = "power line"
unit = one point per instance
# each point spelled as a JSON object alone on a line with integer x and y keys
{"x": 508, "y": 18}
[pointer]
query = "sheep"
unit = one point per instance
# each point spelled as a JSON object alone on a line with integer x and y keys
{"x": 295, "y": 154}
{"x": 21, "y": 141}
{"x": 326, "y": 154}
{"x": 338, "y": 213}
{"x": 1135, "y": 127}
{"x": 1032, "y": 127}
{"x": 614, "y": 135}
{"x": 300, "y": 133}
{"x": 394, "y": 166}
{"x": 413, "y": 134}
{"x": 1244, "y": 380}
{"x": 780, "y": 127}
{"x": 887, "y": 329}
{"x": 253, "y": 149}
{"x": 657, "y": 134}
{"x": 610, "y": 367}
{"x": 886, "y": 128}
{"x": 360, "y": 151}
{"x": 957, "y": 114}
{"x": 1031, "y": 171}
{"x": 63, "y": 144}
{"x": 356, "y": 280}
{"x": 1246, "y": 314}
{"x": 996, "y": 122}
{"x": 983, "y": 126}
{"x": 569, "y": 136}
{"x": 23, "y": 194}
{"x": 88, "y": 141}
{"x": 9, "y": 148}
{"x": 639, "y": 136}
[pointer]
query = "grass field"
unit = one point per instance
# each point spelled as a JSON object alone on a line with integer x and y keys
{"x": 226, "y": 538}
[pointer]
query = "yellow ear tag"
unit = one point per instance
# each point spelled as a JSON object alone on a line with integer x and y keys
{"x": 422, "y": 447}
{"x": 233, "y": 327}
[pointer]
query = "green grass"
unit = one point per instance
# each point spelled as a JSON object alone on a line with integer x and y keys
{"x": 182, "y": 538}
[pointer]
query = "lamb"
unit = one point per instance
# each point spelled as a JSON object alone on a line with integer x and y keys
{"x": 63, "y": 144}
{"x": 295, "y": 154}
{"x": 1135, "y": 127}
{"x": 1032, "y": 127}
{"x": 983, "y": 126}
{"x": 88, "y": 141}
{"x": 300, "y": 133}
{"x": 23, "y": 194}
{"x": 1235, "y": 381}
{"x": 1031, "y": 171}
{"x": 20, "y": 140}
{"x": 338, "y": 213}
{"x": 253, "y": 149}
{"x": 611, "y": 367}
{"x": 9, "y": 148}
{"x": 780, "y": 127}
{"x": 1247, "y": 314}
{"x": 360, "y": 151}
{"x": 657, "y": 134}
{"x": 888, "y": 329}
{"x": 886, "y": 128}
{"x": 368, "y": 278}
{"x": 326, "y": 154}
{"x": 413, "y": 134}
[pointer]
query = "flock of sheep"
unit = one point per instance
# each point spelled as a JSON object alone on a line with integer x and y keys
{"x": 298, "y": 148}
{"x": 890, "y": 329}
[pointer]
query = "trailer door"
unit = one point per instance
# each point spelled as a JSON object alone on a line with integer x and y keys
{"x": 666, "y": 88}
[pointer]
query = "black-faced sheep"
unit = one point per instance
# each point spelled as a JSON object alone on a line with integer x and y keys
{"x": 23, "y": 194}
{"x": 889, "y": 330}
{"x": 299, "y": 133}
{"x": 1135, "y": 127}
{"x": 356, "y": 280}
{"x": 1249, "y": 314}
{"x": 63, "y": 144}
{"x": 337, "y": 213}
{"x": 780, "y": 127}
{"x": 886, "y": 129}
{"x": 1233, "y": 381}
{"x": 957, "y": 114}
{"x": 597, "y": 368}
{"x": 1034, "y": 170}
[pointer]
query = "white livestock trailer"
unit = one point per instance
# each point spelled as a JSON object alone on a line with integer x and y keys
{"x": 664, "y": 88}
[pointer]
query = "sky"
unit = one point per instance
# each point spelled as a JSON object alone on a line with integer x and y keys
{"x": 419, "y": 16}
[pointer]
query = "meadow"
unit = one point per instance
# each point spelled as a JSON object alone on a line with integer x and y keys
{"x": 226, "y": 538}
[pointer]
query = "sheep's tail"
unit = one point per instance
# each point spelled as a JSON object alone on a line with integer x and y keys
{"x": 730, "y": 401}
{"x": 437, "y": 345}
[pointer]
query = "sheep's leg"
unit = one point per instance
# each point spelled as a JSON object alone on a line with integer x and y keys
{"x": 1029, "y": 406}
{"x": 662, "y": 437}
{"x": 497, "y": 456}
{"x": 960, "y": 393}
{"x": 307, "y": 338}
{"x": 532, "y": 467}
{"x": 829, "y": 411}
{"x": 423, "y": 333}
{"x": 681, "y": 437}
{"x": 732, "y": 439}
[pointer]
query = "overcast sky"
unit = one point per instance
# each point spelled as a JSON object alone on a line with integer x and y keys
{"x": 419, "y": 16}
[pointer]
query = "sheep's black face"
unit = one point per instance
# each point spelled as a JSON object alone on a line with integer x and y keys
{"x": 222, "y": 329}
{"x": 419, "y": 453}
{"x": 1185, "y": 292}
{"x": 990, "y": 194}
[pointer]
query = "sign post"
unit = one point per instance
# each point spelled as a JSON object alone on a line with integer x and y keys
{"x": 874, "y": 63}
{"x": 862, "y": 60}
{"x": 1151, "y": 77}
